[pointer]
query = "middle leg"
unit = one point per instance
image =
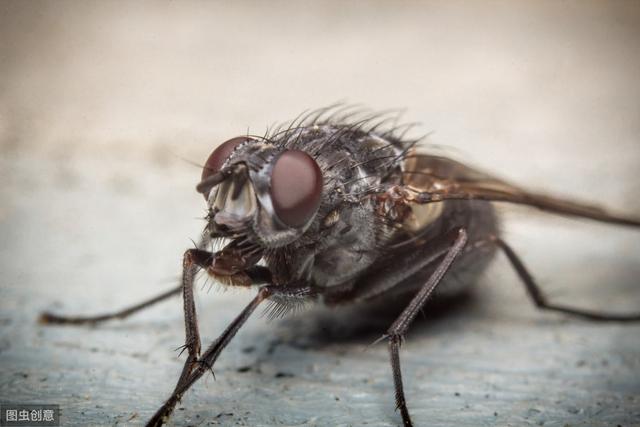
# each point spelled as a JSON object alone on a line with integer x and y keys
{"x": 397, "y": 330}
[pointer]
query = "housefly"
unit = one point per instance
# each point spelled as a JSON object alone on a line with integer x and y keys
{"x": 336, "y": 210}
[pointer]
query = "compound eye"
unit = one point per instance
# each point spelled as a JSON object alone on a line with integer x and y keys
{"x": 296, "y": 187}
{"x": 219, "y": 156}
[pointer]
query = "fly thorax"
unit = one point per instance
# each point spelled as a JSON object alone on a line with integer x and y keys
{"x": 350, "y": 243}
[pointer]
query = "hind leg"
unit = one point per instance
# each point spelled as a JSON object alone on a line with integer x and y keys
{"x": 538, "y": 298}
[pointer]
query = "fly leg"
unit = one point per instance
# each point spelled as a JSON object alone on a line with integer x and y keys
{"x": 538, "y": 298}
{"x": 205, "y": 363}
{"x": 51, "y": 318}
{"x": 397, "y": 330}
{"x": 192, "y": 260}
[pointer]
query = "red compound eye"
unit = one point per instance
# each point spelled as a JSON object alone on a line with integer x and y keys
{"x": 219, "y": 156}
{"x": 296, "y": 187}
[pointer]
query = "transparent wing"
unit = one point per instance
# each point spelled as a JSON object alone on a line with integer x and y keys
{"x": 434, "y": 179}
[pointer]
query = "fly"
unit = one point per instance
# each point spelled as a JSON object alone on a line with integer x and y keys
{"x": 339, "y": 211}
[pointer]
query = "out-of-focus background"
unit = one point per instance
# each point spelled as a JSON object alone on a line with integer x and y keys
{"x": 101, "y": 103}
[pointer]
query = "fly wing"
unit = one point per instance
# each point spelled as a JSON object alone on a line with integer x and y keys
{"x": 436, "y": 178}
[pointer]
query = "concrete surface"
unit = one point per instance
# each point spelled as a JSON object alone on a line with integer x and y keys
{"x": 100, "y": 102}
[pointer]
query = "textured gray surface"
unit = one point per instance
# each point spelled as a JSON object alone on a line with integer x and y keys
{"x": 99, "y": 101}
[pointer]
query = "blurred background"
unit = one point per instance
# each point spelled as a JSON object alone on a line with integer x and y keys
{"x": 103, "y": 105}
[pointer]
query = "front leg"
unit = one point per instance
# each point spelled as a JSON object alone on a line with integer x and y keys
{"x": 192, "y": 260}
{"x": 51, "y": 318}
{"x": 205, "y": 363}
